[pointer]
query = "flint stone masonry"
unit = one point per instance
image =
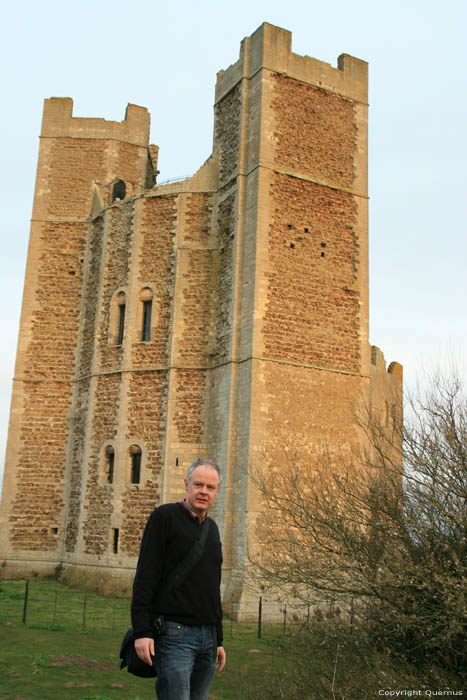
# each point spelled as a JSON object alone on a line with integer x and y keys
{"x": 313, "y": 307}
{"x": 256, "y": 269}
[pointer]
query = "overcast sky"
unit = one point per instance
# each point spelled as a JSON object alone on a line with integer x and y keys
{"x": 164, "y": 56}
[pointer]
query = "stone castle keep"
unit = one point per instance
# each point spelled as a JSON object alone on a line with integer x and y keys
{"x": 207, "y": 317}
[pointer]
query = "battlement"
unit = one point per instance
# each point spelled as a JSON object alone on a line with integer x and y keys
{"x": 58, "y": 122}
{"x": 270, "y": 47}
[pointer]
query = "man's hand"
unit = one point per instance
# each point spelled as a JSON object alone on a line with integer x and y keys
{"x": 220, "y": 659}
{"x": 144, "y": 647}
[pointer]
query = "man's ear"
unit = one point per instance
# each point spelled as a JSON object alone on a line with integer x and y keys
{"x": 186, "y": 483}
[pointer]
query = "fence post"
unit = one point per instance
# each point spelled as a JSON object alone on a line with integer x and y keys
{"x": 231, "y": 616}
{"x": 308, "y": 616}
{"x": 55, "y": 606}
{"x": 84, "y": 612}
{"x": 25, "y": 606}
{"x": 285, "y": 615}
{"x": 260, "y": 615}
{"x": 352, "y": 613}
{"x": 113, "y": 613}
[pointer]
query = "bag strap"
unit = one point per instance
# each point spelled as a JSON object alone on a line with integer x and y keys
{"x": 181, "y": 571}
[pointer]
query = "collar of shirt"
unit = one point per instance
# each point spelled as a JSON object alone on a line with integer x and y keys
{"x": 200, "y": 519}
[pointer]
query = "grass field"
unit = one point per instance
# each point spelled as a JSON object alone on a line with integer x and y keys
{"x": 68, "y": 647}
{"x": 51, "y": 656}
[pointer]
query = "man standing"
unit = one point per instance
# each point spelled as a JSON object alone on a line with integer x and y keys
{"x": 190, "y": 649}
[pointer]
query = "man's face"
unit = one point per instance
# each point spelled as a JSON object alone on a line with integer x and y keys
{"x": 201, "y": 490}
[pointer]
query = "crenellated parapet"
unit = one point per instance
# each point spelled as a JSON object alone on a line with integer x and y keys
{"x": 58, "y": 122}
{"x": 270, "y": 48}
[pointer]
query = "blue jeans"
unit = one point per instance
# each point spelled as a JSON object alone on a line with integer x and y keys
{"x": 185, "y": 662}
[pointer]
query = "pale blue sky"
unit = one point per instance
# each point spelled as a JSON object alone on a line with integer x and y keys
{"x": 105, "y": 54}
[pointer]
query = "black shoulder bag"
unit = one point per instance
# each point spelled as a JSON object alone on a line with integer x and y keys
{"x": 128, "y": 655}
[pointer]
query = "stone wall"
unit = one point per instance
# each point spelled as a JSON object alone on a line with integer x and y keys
{"x": 47, "y": 391}
{"x": 257, "y": 272}
{"x": 50, "y": 410}
{"x": 315, "y": 132}
{"x": 313, "y": 306}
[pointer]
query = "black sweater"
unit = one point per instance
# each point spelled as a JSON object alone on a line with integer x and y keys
{"x": 168, "y": 537}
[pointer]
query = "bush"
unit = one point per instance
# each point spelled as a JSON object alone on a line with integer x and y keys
{"x": 386, "y": 527}
{"x": 337, "y": 663}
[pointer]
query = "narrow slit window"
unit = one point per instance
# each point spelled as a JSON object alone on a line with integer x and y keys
{"x": 115, "y": 540}
{"x": 135, "y": 465}
{"x": 145, "y": 313}
{"x": 110, "y": 460}
{"x": 146, "y": 328}
{"x": 121, "y": 323}
{"x": 117, "y": 319}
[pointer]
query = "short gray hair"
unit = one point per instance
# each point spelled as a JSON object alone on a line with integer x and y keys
{"x": 202, "y": 463}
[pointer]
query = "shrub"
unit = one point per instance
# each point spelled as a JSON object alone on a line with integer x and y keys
{"x": 385, "y": 527}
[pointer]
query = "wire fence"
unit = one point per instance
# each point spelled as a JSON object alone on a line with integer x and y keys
{"x": 282, "y": 616}
{"x": 51, "y": 605}
{"x": 48, "y": 604}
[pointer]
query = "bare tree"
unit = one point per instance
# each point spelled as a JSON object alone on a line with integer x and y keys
{"x": 386, "y": 526}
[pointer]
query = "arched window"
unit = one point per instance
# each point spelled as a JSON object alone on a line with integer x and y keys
{"x": 117, "y": 319}
{"x": 118, "y": 190}
{"x": 145, "y": 298}
{"x": 121, "y": 323}
{"x": 109, "y": 463}
{"x": 135, "y": 464}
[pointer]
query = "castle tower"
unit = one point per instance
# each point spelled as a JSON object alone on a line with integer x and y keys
{"x": 216, "y": 317}
{"x": 79, "y": 161}
{"x": 291, "y": 134}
